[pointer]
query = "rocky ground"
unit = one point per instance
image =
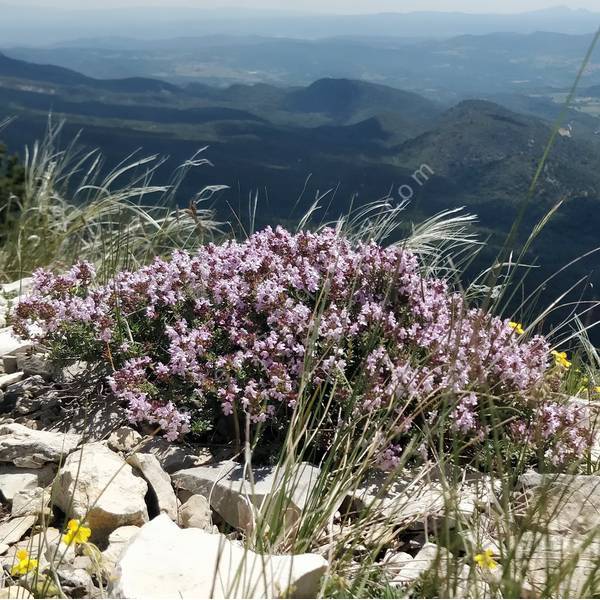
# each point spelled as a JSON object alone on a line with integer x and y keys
{"x": 170, "y": 520}
{"x": 144, "y": 500}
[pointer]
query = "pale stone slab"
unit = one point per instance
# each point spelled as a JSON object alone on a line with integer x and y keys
{"x": 97, "y": 485}
{"x": 158, "y": 480}
{"x": 236, "y": 494}
{"x": 12, "y": 531}
{"x": 33, "y": 448}
{"x": 164, "y": 561}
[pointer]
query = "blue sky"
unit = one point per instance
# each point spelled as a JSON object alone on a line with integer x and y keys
{"x": 341, "y": 6}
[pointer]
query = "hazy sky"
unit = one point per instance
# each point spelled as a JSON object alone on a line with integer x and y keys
{"x": 342, "y": 6}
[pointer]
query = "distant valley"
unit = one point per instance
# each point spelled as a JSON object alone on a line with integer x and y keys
{"x": 449, "y": 69}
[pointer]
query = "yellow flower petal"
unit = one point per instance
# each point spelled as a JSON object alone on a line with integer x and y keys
{"x": 76, "y": 533}
{"x": 22, "y": 554}
{"x": 83, "y": 535}
{"x": 24, "y": 566}
{"x": 518, "y": 327}
{"x": 485, "y": 560}
{"x": 16, "y": 571}
{"x": 73, "y": 525}
{"x": 560, "y": 358}
{"x": 33, "y": 564}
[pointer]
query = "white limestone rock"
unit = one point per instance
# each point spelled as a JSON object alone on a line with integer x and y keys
{"x": 236, "y": 498}
{"x": 36, "y": 364}
{"x": 429, "y": 557}
{"x": 97, "y": 419}
{"x": 97, "y": 485}
{"x": 31, "y": 448}
{"x": 36, "y": 545}
{"x": 10, "y": 379}
{"x": 543, "y": 557}
{"x": 76, "y": 583}
{"x": 14, "y": 480}
{"x": 124, "y": 439}
{"x": 34, "y": 501}
{"x": 196, "y": 512}
{"x": 10, "y": 343}
{"x": 117, "y": 542}
{"x": 13, "y": 530}
{"x": 164, "y": 561}
{"x": 393, "y": 562}
{"x": 15, "y": 591}
{"x": 175, "y": 457}
{"x": 418, "y": 500}
{"x": 158, "y": 480}
{"x": 57, "y": 552}
{"x": 18, "y": 287}
{"x": 560, "y": 503}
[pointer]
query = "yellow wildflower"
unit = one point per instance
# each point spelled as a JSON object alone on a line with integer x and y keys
{"x": 485, "y": 560}
{"x": 518, "y": 327}
{"x": 560, "y": 358}
{"x": 76, "y": 533}
{"x": 597, "y": 389}
{"x": 24, "y": 565}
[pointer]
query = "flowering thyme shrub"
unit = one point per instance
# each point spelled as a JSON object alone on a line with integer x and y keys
{"x": 242, "y": 326}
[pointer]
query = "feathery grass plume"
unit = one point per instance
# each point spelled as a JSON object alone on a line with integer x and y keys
{"x": 69, "y": 211}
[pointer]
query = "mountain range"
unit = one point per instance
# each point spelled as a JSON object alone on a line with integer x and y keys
{"x": 25, "y": 24}
{"x": 442, "y": 69}
{"x": 349, "y": 142}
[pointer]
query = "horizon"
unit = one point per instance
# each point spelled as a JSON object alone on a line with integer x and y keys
{"x": 316, "y": 7}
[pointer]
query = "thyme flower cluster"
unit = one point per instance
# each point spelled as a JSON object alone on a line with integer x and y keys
{"x": 239, "y": 325}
